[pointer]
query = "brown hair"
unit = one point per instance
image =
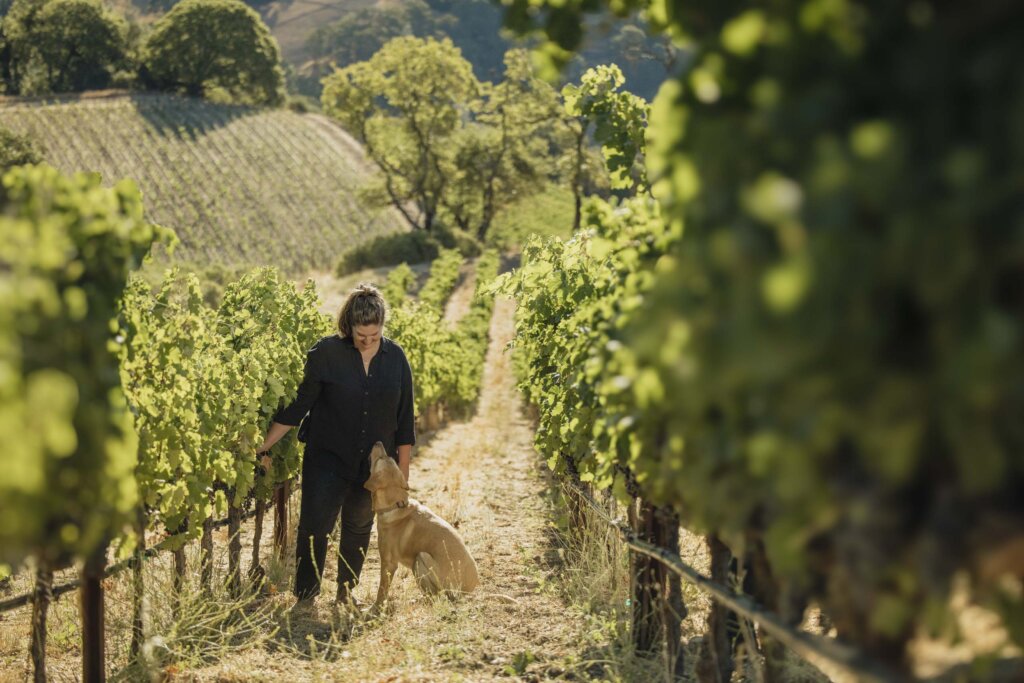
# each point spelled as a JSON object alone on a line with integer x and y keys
{"x": 365, "y": 306}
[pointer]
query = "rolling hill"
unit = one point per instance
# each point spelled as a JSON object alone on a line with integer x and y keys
{"x": 240, "y": 185}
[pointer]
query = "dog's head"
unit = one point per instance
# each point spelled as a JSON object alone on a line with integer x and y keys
{"x": 384, "y": 472}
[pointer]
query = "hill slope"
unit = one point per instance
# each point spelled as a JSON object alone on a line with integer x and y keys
{"x": 240, "y": 185}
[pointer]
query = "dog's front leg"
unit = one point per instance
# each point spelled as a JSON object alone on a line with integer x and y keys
{"x": 388, "y": 567}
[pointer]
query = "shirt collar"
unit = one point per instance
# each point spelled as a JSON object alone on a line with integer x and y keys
{"x": 385, "y": 343}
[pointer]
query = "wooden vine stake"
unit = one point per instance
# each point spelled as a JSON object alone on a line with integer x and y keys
{"x": 577, "y": 507}
{"x": 178, "y": 554}
{"x": 716, "y": 655}
{"x": 93, "y": 655}
{"x": 179, "y": 578}
{"x": 234, "y": 549}
{"x": 41, "y": 598}
{"x": 256, "y": 571}
{"x": 138, "y": 588}
{"x": 206, "y": 556}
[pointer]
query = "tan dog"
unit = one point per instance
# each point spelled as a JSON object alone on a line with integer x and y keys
{"x": 408, "y": 533}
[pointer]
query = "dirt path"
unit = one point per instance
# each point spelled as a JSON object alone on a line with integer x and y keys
{"x": 462, "y": 297}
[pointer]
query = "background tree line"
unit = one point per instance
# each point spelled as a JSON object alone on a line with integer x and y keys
{"x": 215, "y": 48}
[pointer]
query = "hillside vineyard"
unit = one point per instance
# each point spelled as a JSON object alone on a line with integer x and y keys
{"x": 239, "y": 185}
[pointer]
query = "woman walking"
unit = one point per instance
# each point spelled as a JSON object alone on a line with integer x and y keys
{"x": 357, "y": 390}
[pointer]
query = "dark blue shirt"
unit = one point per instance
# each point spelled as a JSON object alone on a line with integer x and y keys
{"x": 351, "y": 409}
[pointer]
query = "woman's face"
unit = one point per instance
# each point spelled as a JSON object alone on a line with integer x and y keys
{"x": 366, "y": 336}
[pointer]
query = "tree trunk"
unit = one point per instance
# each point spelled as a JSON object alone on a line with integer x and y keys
{"x": 42, "y": 596}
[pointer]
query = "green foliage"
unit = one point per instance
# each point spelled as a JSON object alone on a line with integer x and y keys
{"x": 203, "y": 384}
{"x": 471, "y": 150}
{"x": 574, "y": 297}
{"x": 269, "y": 327}
{"x": 205, "y": 46}
{"x": 17, "y": 150}
{"x": 506, "y": 155}
{"x": 444, "y": 273}
{"x": 67, "y": 449}
{"x": 399, "y": 283}
{"x": 828, "y": 359}
{"x": 447, "y": 364}
{"x": 472, "y": 330}
{"x": 618, "y": 118}
{"x": 64, "y": 45}
{"x": 548, "y": 213}
{"x": 411, "y": 246}
{"x": 404, "y": 104}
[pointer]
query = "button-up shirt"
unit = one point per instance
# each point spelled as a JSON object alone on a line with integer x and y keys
{"x": 350, "y": 408}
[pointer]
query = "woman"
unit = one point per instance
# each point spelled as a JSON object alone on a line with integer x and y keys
{"x": 357, "y": 390}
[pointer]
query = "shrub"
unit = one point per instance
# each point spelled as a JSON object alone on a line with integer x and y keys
{"x": 16, "y": 150}
{"x": 415, "y": 246}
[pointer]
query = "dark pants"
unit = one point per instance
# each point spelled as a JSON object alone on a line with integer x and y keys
{"x": 328, "y": 487}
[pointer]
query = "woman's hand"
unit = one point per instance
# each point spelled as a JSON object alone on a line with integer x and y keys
{"x": 277, "y": 430}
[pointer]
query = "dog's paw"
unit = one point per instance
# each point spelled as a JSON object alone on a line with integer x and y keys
{"x": 380, "y": 610}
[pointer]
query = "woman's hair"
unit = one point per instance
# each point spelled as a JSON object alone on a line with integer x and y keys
{"x": 364, "y": 306}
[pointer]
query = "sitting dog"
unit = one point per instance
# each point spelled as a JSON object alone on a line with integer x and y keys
{"x": 409, "y": 533}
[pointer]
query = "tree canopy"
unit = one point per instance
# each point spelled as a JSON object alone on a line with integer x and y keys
{"x": 446, "y": 144}
{"x": 62, "y": 46}
{"x": 204, "y": 46}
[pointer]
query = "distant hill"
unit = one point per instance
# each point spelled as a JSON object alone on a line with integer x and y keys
{"x": 473, "y": 25}
{"x": 313, "y": 36}
{"x": 240, "y": 185}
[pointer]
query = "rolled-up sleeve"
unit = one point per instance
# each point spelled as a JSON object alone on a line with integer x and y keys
{"x": 309, "y": 389}
{"x": 406, "y": 434}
